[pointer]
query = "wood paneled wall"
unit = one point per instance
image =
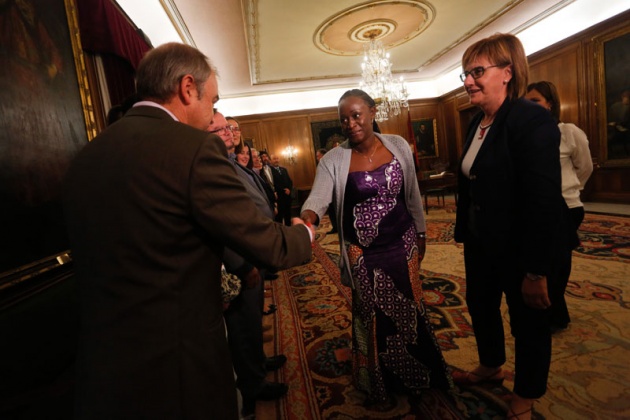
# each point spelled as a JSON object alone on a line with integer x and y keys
{"x": 274, "y": 132}
{"x": 571, "y": 65}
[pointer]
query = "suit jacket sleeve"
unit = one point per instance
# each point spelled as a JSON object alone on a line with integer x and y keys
{"x": 536, "y": 159}
{"x": 220, "y": 204}
{"x": 235, "y": 264}
{"x": 288, "y": 179}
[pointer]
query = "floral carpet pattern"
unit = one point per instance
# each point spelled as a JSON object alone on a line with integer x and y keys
{"x": 589, "y": 379}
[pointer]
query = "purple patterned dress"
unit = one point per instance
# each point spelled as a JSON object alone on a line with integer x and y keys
{"x": 394, "y": 348}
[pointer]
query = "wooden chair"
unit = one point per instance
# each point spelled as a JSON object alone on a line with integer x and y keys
{"x": 434, "y": 192}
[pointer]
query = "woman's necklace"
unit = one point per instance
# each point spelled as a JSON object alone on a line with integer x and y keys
{"x": 369, "y": 158}
{"x": 483, "y": 128}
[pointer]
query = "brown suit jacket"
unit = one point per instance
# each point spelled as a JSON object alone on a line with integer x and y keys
{"x": 150, "y": 204}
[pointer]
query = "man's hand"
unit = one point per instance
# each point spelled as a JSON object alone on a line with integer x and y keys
{"x": 535, "y": 292}
{"x": 311, "y": 228}
{"x": 252, "y": 278}
{"x": 287, "y": 191}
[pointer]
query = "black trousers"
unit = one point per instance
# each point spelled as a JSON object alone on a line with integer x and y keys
{"x": 558, "y": 285}
{"x": 488, "y": 277}
{"x": 243, "y": 320}
{"x": 284, "y": 209}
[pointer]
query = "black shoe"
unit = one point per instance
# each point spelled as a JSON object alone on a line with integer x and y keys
{"x": 272, "y": 391}
{"x": 275, "y": 362}
{"x": 271, "y": 276}
{"x": 272, "y": 308}
{"x": 556, "y": 328}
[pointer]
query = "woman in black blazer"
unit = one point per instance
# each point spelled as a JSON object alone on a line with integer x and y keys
{"x": 508, "y": 215}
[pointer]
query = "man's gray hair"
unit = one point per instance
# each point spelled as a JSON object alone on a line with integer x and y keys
{"x": 161, "y": 70}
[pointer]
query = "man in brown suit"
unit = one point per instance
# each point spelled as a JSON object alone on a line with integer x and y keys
{"x": 150, "y": 203}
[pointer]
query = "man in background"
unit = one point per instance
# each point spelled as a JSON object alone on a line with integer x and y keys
{"x": 258, "y": 168}
{"x": 266, "y": 169}
{"x": 283, "y": 185}
{"x": 150, "y": 204}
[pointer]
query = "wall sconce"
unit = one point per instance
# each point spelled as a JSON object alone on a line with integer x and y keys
{"x": 290, "y": 154}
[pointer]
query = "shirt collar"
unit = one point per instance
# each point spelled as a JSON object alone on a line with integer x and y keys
{"x": 155, "y": 105}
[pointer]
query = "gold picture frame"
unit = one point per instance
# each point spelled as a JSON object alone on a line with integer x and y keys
{"x": 47, "y": 117}
{"x": 82, "y": 75}
{"x": 425, "y": 138}
{"x": 613, "y": 53}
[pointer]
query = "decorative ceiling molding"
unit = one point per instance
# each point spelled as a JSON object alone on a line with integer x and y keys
{"x": 345, "y": 33}
{"x": 250, "y": 11}
{"x": 266, "y": 63}
{"x": 410, "y": 19}
{"x": 508, "y": 7}
{"x": 550, "y": 11}
{"x": 178, "y": 22}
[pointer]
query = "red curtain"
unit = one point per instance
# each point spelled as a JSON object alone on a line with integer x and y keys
{"x": 120, "y": 78}
{"x": 106, "y": 30}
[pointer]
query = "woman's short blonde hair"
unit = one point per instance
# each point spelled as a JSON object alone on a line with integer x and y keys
{"x": 503, "y": 50}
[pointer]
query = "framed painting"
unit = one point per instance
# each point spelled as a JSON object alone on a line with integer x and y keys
{"x": 425, "y": 137}
{"x": 326, "y": 134}
{"x": 614, "y": 65}
{"x": 46, "y": 117}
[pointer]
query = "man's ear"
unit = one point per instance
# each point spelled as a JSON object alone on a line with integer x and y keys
{"x": 187, "y": 89}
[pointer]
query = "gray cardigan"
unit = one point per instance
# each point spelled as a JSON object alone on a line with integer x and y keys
{"x": 330, "y": 186}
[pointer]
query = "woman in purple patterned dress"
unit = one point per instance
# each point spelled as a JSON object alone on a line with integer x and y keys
{"x": 371, "y": 180}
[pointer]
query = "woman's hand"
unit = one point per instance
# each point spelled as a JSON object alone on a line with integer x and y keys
{"x": 534, "y": 291}
{"x": 421, "y": 241}
{"x": 310, "y": 217}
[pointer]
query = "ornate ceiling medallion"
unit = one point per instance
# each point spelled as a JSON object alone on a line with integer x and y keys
{"x": 393, "y": 22}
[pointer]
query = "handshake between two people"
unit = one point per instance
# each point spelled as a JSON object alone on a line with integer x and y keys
{"x": 310, "y": 226}
{"x": 308, "y": 218}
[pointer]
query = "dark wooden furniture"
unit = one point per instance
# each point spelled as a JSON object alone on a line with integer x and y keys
{"x": 437, "y": 186}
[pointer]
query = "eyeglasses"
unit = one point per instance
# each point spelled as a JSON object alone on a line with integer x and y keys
{"x": 224, "y": 129}
{"x": 235, "y": 128}
{"x": 477, "y": 72}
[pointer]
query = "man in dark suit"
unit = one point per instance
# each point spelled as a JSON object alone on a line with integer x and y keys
{"x": 150, "y": 204}
{"x": 260, "y": 170}
{"x": 283, "y": 185}
{"x": 244, "y": 317}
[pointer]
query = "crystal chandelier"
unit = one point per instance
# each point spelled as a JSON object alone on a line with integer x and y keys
{"x": 390, "y": 95}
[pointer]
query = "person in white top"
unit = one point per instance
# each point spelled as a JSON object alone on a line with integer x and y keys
{"x": 576, "y": 166}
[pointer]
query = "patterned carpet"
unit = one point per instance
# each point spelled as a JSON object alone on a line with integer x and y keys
{"x": 590, "y": 375}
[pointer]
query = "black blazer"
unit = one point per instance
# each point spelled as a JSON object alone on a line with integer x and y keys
{"x": 513, "y": 197}
{"x": 281, "y": 180}
{"x": 150, "y": 204}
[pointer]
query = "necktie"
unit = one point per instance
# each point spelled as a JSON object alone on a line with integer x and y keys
{"x": 268, "y": 175}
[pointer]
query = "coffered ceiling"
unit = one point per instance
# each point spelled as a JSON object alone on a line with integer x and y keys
{"x": 268, "y": 51}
